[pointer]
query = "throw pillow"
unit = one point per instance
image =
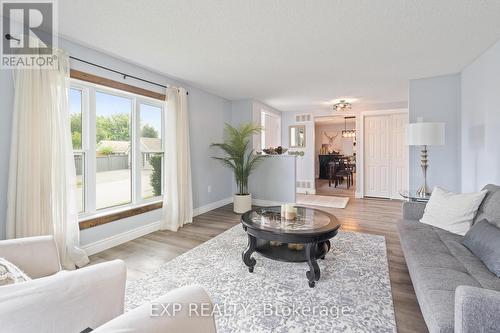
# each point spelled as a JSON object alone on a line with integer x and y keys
{"x": 483, "y": 239}
{"x": 490, "y": 208}
{"x": 10, "y": 273}
{"x": 450, "y": 211}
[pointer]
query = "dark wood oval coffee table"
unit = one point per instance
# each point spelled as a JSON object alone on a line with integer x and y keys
{"x": 313, "y": 228}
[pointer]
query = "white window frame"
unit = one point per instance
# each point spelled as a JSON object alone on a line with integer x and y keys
{"x": 154, "y": 103}
{"x": 89, "y": 146}
{"x": 263, "y": 114}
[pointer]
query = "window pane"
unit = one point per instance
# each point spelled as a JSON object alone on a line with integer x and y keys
{"x": 271, "y": 135}
{"x": 151, "y": 126}
{"x": 80, "y": 181}
{"x": 113, "y": 150}
{"x": 151, "y": 161}
{"x": 75, "y": 109}
{"x": 151, "y": 181}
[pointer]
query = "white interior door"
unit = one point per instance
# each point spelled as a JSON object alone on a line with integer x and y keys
{"x": 377, "y": 157}
{"x": 399, "y": 158}
{"x": 385, "y": 155}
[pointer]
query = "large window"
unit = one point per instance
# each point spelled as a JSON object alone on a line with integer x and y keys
{"x": 75, "y": 102}
{"x": 113, "y": 176}
{"x": 271, "y": 134}
{"x": 151, "y": 150}
{"x": 118, "y": 148}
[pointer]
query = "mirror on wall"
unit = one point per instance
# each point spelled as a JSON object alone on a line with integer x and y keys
{"x": 297, "y": 136}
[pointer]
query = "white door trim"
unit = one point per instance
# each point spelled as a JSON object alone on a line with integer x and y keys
{"x": 360, "y": 142}
{"x": 314, "y": 118}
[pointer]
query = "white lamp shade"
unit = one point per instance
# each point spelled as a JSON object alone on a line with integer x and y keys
{"x": 425, "y": 134}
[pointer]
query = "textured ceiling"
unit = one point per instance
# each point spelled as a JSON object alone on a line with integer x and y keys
{"x": 290, "y": 54}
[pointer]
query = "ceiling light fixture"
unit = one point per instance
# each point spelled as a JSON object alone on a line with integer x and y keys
{"x": 342, "y": 106}
{"x": 351, "y": 133}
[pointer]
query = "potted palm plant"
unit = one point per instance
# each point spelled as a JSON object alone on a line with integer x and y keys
{"x": 241, "y": 159}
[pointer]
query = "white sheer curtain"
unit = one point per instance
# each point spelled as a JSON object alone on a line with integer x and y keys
{"x": 42, "y": 179}
{"x": 178, "y": 196}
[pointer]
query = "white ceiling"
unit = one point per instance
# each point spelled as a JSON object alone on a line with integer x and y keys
{"x": 290, "y": 54}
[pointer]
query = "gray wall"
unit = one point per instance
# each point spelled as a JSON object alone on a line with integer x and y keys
{"x": 241, "y": 112}
{"x": 207, "y": 113}
{"x": 305, "y": 164}
{"x": 6, "y": 105}
{"x": 481, "y": 121}
{"x": 6, "y": 91}
{"x": 248, "y": 110}
{"x": 437, "y": 99}
{"x": 274, "y": 180}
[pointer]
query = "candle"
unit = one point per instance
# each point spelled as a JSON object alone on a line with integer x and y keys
{"x": 290, "y": 212}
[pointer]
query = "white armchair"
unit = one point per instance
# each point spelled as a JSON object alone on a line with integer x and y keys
{"x": 139, "y": 320}
{"x": 90, "y": 297}
{"x": 55, "y": 300}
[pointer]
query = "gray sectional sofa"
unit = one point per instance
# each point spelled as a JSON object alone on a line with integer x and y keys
{"x": 455, "y": 290}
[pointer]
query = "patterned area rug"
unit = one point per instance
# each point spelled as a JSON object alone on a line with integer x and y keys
{"x": 322, "y": 200}
{"x": 352, "y": 295}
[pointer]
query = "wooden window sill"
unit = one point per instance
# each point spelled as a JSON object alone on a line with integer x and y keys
{"x": 79, "y": 75}
{"x": 91, "y": 222}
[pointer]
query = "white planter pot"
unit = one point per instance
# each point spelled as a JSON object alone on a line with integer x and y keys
{"x": 242, "y": 203}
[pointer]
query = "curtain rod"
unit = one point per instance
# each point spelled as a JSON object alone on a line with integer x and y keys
{"x": 125, "y": 75}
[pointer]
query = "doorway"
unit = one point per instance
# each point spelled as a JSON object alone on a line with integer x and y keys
{"x": 335, "y": 156}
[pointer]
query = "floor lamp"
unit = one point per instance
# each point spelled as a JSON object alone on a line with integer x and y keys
{"x": 425, "y": 134}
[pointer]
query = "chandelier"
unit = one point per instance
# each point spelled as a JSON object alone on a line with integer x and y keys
{"x": 351, "y": 133}
{"x": 342, "y": 106}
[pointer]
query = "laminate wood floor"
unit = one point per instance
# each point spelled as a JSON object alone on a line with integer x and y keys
{"x": 372, "y": 216}
{"x": 341, "y": 190}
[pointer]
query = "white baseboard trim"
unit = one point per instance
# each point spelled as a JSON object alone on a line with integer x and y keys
{"x": 211, "y": 206}
{"x": 305, "y": 190}
{"x": 132, "y": 234}
{"x": 121, "y": 238}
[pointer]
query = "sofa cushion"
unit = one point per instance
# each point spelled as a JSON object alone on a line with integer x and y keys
{"x": 426, "y": 248}
{"x": 438, "y": 263}
{"x": 433, "y": 277}
{"x": 473, "y": 265}
{"x": 490, "y": 207}
{"x": 483, "y": 239}
{"x": 435, "y": 307}
{"x": 445, "y": 235}
{"x": 452, "y": 211}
